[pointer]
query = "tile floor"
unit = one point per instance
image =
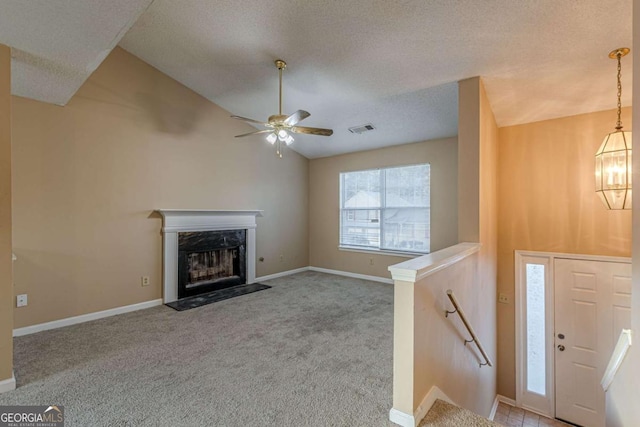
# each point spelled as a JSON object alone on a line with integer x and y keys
{"x": 515, "y": 417}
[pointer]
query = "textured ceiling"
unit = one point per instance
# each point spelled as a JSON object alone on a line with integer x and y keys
{"x": 57, "y": 44}
{"x": 390, "y": 63}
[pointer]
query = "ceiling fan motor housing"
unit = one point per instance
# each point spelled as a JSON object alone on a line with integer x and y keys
{"x": 277, "y": 118}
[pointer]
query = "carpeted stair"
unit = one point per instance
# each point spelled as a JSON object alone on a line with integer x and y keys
{"x": 443, "y": 414}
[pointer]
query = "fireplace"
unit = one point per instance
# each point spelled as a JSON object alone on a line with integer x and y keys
{"x": 210, "y": 260}
{"x": 205, "y": 250}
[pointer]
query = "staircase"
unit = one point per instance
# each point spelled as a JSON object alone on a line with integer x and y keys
{"x": 443, "y": 414}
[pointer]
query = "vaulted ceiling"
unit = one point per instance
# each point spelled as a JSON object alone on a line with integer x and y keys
{"x": 393, "y": 64}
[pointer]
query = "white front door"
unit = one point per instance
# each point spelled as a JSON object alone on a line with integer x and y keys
{"x": 592, "y": 306}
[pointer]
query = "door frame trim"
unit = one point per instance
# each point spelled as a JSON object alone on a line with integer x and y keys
{"x": 562, "y": 255}
{"x": 550, "y": 258}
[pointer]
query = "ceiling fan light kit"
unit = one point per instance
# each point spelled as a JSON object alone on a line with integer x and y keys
{"x": 280, "y": 126}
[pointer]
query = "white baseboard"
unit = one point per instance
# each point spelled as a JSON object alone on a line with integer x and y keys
{"x": 84, "y": 318}
{"x": 506, "y": 400}
{"x": 328, "y": 271}
{"x": 494, "y": 408}
{"x": 428, "y": 401}
{"x": 535, "y": 411}
{"x": 406, "y": 420}
{"x": 281, "y": 274}
{"x": 8, "y": 384}
{"x": 148, "y": 304}
{"x": 353, "y": 275}
{"x": 401, "y": 418}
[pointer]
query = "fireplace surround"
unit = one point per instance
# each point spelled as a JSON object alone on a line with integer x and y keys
{"x": 179, "y": 226}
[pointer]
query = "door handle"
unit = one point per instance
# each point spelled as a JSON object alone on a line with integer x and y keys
{"x": 561, "y": 347}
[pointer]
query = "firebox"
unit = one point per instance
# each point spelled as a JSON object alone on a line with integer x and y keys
{"x": 211, "y": 260}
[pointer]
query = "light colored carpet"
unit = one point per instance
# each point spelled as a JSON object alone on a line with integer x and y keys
{"x": 315, "y": 350}
{"x": 443, "y": 414}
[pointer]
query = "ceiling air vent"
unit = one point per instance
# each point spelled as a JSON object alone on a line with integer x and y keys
{"x": 362, "y": 128}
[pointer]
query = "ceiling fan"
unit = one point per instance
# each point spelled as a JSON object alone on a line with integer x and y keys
{"x": 280, "y": 126}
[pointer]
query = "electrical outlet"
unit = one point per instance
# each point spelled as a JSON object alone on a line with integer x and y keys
{"x": 21, "y": 300}
{"x": 370, "y": 261}
{"x": 144, "y": 280}
{"x": 503, "y": 298}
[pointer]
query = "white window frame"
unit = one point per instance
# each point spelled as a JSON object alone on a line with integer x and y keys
{"x": 380, "y": 250}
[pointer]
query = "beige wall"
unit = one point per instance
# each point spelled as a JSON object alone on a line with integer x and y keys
{"x": 548, "y": 203}
{"x": 478, "y": 216}
{"x": 324, "y": 203}
{"x": 469, "y": 160}
{"x": 6, "y": 275}
{"x": 87, "y": 177}
{"x": 488, "y": 266}
{"x": 441, "y": 358}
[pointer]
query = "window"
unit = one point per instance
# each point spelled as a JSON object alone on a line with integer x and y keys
{"x": 534, "y": 333}
{"x": 535, "y": 338}
{"x": 386, "y": 209}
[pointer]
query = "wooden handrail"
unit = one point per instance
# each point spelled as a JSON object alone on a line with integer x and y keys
{"x": 474, "y": 337}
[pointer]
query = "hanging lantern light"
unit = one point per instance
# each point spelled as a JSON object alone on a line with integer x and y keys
{"x": 613, "y": 158}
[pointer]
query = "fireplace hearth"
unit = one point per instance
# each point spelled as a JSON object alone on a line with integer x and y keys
{"x": 210, "y": 260}
{"x": 177, "y": 222}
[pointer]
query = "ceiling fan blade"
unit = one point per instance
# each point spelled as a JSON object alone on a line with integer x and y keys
{"x": 296, "y": 117}
{"x": 312, "y": 131}
{"x": 255, "y": 133}
{"x": 248, "y": 120}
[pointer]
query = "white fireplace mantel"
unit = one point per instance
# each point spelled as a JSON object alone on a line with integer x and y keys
{"x": 176, "y": 221}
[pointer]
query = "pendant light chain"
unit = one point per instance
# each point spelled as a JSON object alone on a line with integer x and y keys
{"x": 619, "y": 123}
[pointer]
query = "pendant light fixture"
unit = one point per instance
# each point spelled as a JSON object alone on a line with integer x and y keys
{"x": 613, "y": 158}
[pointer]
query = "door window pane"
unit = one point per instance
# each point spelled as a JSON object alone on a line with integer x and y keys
{"x": 535, "y": 329}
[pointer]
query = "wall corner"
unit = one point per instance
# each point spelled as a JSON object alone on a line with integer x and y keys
{"x": 6, "y": 254}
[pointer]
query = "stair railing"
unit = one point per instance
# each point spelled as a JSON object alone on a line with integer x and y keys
{"x": 619, "y": 352}
{"x": 474, "y": 338}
